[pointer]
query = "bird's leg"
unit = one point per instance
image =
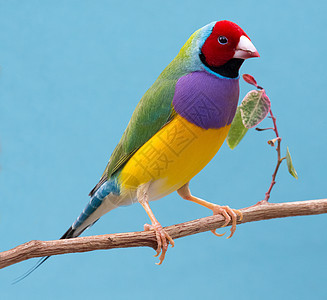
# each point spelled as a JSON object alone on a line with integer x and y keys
{"x": 161, "y": 234}
{"x": 228, "y": 213}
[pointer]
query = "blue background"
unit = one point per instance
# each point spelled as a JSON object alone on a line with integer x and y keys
{"x": 72, "y": 73}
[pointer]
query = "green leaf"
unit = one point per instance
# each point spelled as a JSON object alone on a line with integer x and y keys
{"x": 290, "y": 166}
{"x": 254, "y": 108}
{"x": 237, "y": 130}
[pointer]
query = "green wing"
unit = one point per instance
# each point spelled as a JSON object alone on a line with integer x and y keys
{"x": 154, "y": 110}
{"x": 150, "y": 115}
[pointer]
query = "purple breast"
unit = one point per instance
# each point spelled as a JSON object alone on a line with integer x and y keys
{"x": 206, "y": 100}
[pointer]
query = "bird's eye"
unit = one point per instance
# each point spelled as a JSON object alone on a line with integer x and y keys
{"x": 222, "y": 40}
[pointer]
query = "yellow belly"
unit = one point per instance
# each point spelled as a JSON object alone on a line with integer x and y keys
{"x": 172, "y": 157}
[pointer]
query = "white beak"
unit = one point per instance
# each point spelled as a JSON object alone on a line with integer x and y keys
{"x": 245, "y": 49}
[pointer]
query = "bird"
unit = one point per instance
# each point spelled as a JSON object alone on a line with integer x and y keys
{"x": 176, "y": 129}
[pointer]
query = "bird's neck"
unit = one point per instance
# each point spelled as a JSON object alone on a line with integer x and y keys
{"x": 229, "y": 69}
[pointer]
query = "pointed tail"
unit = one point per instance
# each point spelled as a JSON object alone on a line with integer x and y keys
{"x": 92, "y": 212}
{"x": 68, "y": 234}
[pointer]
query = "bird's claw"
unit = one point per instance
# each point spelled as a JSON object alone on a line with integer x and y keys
{"x": 230, "y": 215}
{"x": 163, "y": 238}
{"x": 218, "y": 234}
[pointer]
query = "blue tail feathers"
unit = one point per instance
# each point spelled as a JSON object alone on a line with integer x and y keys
{"x": 96, "y": 200}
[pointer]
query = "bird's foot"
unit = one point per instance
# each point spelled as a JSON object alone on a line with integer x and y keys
{"x": 163, "y": 238}
{"x": 230, "y": 215}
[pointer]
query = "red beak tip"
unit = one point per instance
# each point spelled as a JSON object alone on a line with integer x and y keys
{"x": 256, "y": 54}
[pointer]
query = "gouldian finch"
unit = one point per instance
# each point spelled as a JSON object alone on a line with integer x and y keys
{"x": 176, "y": 129}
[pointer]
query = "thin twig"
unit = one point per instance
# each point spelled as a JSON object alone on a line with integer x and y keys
{"x": 279, "y": 159}
{"x": 147, "y": 238}
{"x": 251, "y": 80}
{"x": 263, "y": 129}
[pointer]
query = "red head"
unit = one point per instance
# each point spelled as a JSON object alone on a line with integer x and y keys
{"x": 226, "y": 41}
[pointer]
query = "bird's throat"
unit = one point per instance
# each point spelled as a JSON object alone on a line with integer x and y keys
{"x": 229, "y": 69}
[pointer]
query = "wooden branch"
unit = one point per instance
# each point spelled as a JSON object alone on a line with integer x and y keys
{"x": 141, "y": 239}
